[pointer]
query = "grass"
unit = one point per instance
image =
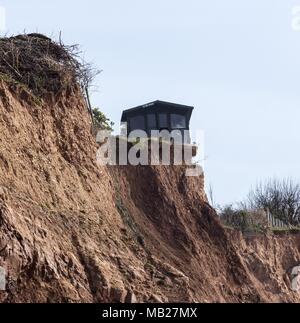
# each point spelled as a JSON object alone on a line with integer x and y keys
{"x": 260, "y": 230}
{"x": 11, "y": 81}
{"x": 289, "y": 229}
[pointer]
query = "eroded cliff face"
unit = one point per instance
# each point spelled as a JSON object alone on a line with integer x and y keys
{"x": 74, "y": 231}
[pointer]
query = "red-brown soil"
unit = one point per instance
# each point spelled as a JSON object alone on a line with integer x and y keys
{"x": 74, "y": 231}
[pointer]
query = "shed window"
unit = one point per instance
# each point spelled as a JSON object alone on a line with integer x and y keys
{"x": 137, "y": 122}
{"x": 178, "y": 121}
{"x": 163, "y": 120}
{"x": 151, "y": 119}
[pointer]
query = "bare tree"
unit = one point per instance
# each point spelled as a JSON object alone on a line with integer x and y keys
{"x": 280, "y": 197}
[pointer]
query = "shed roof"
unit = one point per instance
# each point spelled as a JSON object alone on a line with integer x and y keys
{"x": 157, "y": 105}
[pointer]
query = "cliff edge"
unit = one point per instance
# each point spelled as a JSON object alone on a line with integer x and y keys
{"x": 74, "y": 231}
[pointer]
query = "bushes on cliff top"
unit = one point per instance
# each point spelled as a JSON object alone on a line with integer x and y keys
{"x": 42, "y": 64}
{"x": 101, "y": 121}
{"x": 243, "y": 219}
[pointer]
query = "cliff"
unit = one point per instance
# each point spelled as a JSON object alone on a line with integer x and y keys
{"x": 74, "y": 231}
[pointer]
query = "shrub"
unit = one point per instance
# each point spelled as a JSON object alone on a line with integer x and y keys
{"x": 280, "y": 197}
{"x": 101, "y": 120}
{"x": 244, "y": 220}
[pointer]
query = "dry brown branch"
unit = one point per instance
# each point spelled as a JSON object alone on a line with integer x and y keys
{"x": 42, "y": 64}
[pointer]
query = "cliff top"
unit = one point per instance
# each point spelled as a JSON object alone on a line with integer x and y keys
{"x": 41, "y": 64}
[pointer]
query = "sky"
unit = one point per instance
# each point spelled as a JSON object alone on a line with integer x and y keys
{"x": 237, "y": 62}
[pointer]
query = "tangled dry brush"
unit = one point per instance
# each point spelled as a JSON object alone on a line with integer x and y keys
{"x": 42, "y": 64}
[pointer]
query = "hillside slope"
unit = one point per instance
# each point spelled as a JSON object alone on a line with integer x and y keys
{"x": 74, "y": 231}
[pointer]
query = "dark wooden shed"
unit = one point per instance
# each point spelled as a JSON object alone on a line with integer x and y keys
{"x": 158, "y": 115}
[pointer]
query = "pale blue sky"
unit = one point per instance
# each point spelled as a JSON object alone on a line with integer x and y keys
{"x": 236, "y": 61}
